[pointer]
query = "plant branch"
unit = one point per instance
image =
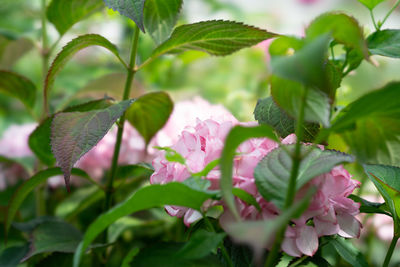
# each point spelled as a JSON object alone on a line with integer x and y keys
{"x": 390, "y": 251}
{"x": 373, "y": 20}
{"x": 388, "y": 14}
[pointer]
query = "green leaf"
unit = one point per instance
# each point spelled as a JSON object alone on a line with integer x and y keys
{"x": 171, "y": 155}
{"x": 122, "y": 224}
{"x": 200, "y": 244}
{"x": 387, "y": 180}
{"x": 19, "y": 87}
{"x": 236, "y": 136}
{"x": 348, "y": 252}
{"x": 259, "y": 233}
{"x": 129, "y": 257}
{"x": 370, "y": 207}
{"x": 370, "y": 4}
{"x": 246, "y": 197}
{"x": 285, "y": 45}
{"x": 216, "y": 37}
{"x": 71, "y": 49}
{"x": 39, "y": 140}
{"x": 132, "y": 9}
{"x": 268, "y": 112}
{"x": 385, "y": 43}
{"x": 145, "y": 198}
{"x": 288, "y": 95}
{"x": 149, "y": 113}
{"x": 371, "y": 126}
{"x": 64, "y": 14}
{"x": 55, "y": 236}
{"x": 12, "y": 256}
{"x": 12, "y": 49}
{"x": 306, "y": 66}
{"x": 75, "y": 133}
{"x": 343, "y": 28}
{"x": 160, "y": 18}
{"x": 29, "y": 185}
{"x": 272, "y": 173}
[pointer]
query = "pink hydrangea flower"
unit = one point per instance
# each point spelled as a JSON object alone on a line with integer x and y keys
{"x": 330, "y": 209}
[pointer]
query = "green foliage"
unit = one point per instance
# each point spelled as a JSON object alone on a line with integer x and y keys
{"x": 75, "y": 133}
{"x": 149, "y": 113}
{"x": 371, "y": 126}
{"x": 160, "y": 18}
{"x": 12, "y": 49}
{"x": 64, "y": 14}
{"x": 370, "y": 207}
{"x": 235, "y": 137}
{"x": 72, "y": 48}
{"x": 387, "y": 180}
{"x": 268, "y": 112}
{"x": 145, "y": 198}
{"x": 385, "y": 43}
{"x": 132, "y": 9}
{"x": 216, "y": 37}
{"x": 171, "y": 155}
{"x": 370, "y": 4}
{"x": 348, "y": 252}
{"x": 12, "y": 256}
{"x": 272, "y": 173}
{"x": 19, "y": 87}
{"x": 246, "y": 197}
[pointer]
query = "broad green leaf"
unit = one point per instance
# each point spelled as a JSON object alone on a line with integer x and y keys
{"x": 19, "y": 87}
{"x": 200, "y": 244}
{"x": 149, "y": 113}
{"x": 75, "y": 133}
{"x": 246, "y": 197}
{"x": 12, "y": 49}
{"x": 348, "y": 252}
{"x": 387, "y": 180}
{"x": 216, "y": 37}
{"x": 71, "y": 49}
{"x": 55, "y": 236}
{"x": 371, "y": 126}
{"x": 78, "y": 201}
{"x": 268, "y": 112}
{"x": 343, "y": 28}
{"x": 370, "y": 4}
{"x": 272, "y": 173}
{"x": 39, "y": 140}
{"x": 236, "y": 136}
{"x": 160, "y": 18}
{"x": 306, "y": 66}
{"x": 64, "y": 14}
{"x": 288, "y": 95}
{"x": 12, "y": 256}
{"x": 132, "y": 9}
{"x": 145, "y": 198}
{"x": 385, "y": 43}
{"x": 258, "y": 233}
{"x": 29, "y": 185}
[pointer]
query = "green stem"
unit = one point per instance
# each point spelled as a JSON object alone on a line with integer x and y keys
{"x": 390, "y": 251}
{"x": 290, "y": 194}
{"x": 373, "y": 20}
{"x": 45, "y": 51}
{"x": 388, "y": 14}
{"x": 128, "y": 84}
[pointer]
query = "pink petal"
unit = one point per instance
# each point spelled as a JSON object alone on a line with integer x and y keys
{"x": 325, "y": 227}
{"x": 307, "y": 240}
{"x": 289, "y": 247}
{"x": 349, "y": 225}
{"x": 191, "y": 216}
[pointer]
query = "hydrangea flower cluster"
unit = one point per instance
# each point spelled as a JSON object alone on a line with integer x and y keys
{"x": 330, "y": 209}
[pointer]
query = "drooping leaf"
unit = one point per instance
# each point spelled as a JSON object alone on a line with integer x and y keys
{"x": 216, "y": 37}
{"x": 19, "y": 87}
{"x": 64, "y": 14}
{"x": 371, "y": 126}
{"x": 370, "y": 207}
{"x": 272, "y": 173}
{"x": 145, "y": 198}
{"x": 12, "y": 256}
{"x": 343, "y": 28}
{"x": 306, "y": 66}
{"x": 29, "y": 185}
{"x": 132, "y": 9}
{"x": 370, "y": 4}
{"x": 200, "y": 244}
{"x": 348, "y": 252}
{"x": 71, "y": 49}
{"x": 160, "y": 18}
{"x": 39, "y": 140}
{"x": 385, "y": 43}
{"x": 55, "y": 236}
{"x": 235, "y": 137}
{"x": 149, "y": 113}
{"x": 288, "y": 95}
{"x": 387, "y": 180}
{"x": 12, "y": 49}
{"x": 75, "y": 133}
{"x": 268, "y": 112}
